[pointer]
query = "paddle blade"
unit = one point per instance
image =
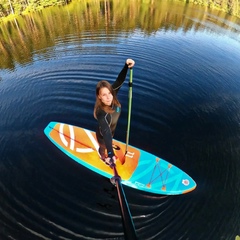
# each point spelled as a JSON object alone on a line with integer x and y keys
{"x": 122, "y": 159}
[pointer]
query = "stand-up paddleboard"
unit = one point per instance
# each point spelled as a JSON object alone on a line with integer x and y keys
{"x": 141, "y": 170}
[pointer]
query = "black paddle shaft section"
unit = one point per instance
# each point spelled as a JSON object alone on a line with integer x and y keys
{"x": 128, "y": 225}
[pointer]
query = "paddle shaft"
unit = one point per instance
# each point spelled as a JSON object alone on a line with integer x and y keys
{"x": 129, "y": 108}
{"x": 128, "y": 225}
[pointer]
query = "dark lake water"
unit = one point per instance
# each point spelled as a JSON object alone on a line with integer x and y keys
{"x": 186, "y": 98}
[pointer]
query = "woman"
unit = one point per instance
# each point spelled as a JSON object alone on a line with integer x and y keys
{"x": 107, "y": 111}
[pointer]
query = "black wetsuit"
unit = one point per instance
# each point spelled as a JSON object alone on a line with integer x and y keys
{"x": 107, "y": 122}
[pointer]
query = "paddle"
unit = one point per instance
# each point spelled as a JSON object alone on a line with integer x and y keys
{"x": 129, "y": 114}
{"x": 128, "y": 225}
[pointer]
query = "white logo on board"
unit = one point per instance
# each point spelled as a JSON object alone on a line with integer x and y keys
{"x": 185, "y": 182}
{"x": 130, "y": 154}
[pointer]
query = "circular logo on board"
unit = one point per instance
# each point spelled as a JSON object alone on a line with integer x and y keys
{"x": 185, "y": 182}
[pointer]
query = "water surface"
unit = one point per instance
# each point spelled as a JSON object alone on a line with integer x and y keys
{"x": 185, "y": 109}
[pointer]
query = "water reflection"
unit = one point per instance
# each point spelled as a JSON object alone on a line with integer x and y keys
{"x": 38, "y": 32}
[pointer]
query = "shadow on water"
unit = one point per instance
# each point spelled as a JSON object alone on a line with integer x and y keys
{"x": 185, "y": 109}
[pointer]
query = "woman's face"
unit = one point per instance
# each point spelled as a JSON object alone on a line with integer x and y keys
{"x": 105, "y": 96}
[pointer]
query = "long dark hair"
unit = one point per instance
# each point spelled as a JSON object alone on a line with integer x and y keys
{"x": 99, "y": 104}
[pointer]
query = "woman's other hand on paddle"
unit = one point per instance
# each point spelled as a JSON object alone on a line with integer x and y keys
{"x": 130, "y": 63}
{"x": 111, "y": 161}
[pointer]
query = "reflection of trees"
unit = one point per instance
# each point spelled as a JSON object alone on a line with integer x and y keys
{"x": 229, "y": 6}
{"x": 39, "y": 31}
{"x": 18, "y": 6}
{"x": 11, "y": 7}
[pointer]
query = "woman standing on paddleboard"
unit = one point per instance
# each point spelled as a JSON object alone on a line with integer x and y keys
{"x": 107, "y": 111}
